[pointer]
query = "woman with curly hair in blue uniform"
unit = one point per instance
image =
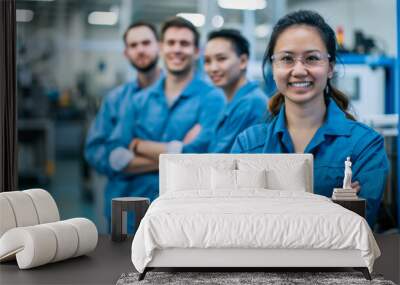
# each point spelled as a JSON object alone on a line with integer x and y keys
{"x": 309, "y": 115}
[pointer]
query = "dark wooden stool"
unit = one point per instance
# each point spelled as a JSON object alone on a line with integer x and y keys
{"x": 357, "y": 205}
{"x": 120, "y": 207}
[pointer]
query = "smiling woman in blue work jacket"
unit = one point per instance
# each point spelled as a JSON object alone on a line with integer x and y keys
{"x": 309, "y": 115}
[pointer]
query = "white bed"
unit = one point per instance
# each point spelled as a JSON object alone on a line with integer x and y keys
{"x": 220, "y": 211}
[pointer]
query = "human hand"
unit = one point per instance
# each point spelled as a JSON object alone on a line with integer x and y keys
{"x": 151, "y": 149}
{"x": 133, "y": 145}
{"x": 192, "y": 134}
{"x": 356, "y": 185}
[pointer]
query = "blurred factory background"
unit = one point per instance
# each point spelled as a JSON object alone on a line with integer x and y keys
{"x": 69, "y": 54}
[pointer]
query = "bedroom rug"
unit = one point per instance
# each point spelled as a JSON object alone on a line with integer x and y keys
{"x": 273, "y": 278}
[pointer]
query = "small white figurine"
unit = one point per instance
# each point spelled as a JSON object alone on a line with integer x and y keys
{"x": 347, "y": 174}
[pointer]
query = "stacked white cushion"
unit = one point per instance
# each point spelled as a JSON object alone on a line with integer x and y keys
{"x": 46, "y": 207}
{"x": 26, "y": 208}
{"x": 41, "y": 244}
{"x": 23, "y": 208}
{"x": 87, "y": 233}
{"x": 67, "y": 240}
{"x": 7, "y": 218}
{"x": 32, "y": 246}
{"x": 31, "y": 232}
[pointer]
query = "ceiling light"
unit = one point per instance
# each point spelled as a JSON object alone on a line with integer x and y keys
{"x": 196, "y": 19}
{"x": 115, "y": 9}
{"x": 263, "y": 30}
{"x": 243, "y": 4}
{"x": 24, "y": 15}
{"x": 217, "y": 21}
{"x": 103, "y": 18}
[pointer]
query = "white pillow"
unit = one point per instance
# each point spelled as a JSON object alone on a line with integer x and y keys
{"x": 238, "y": 179}
{"x": 295, "y": 180}
{"x": 251, "y": 178}
{"x": 281, "y": 174}
{"x": 223, "y": 179}
{"x": 183, "y": 177}
{"x": 186, "y": 175}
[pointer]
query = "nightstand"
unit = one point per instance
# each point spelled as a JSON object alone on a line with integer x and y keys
{"x": 357, "y": 205}
{"x": 120, "y": 207}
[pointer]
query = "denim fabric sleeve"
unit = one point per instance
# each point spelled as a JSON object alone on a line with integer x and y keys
{"x": 99, "y": 132}
{"x": 245, "y": 115}
{"x": 238, "y": 145}
{"x": 211, "y": 110}
{"x": 371, "y": 169}
{"x": 121, "y": 138}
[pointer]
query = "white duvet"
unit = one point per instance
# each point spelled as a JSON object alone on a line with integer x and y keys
{"x": 250, "y": 219}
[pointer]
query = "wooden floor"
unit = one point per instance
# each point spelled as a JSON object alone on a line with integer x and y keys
{"x": 102, "y": 266}
{"x": 106, "y": 264}
{"x": 389, "y": 262}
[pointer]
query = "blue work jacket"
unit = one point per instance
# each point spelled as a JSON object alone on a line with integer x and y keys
{"x": 148, "y": 116}
{"x": 338, "y": 138}
{"x": 104, "y": 124}
{"x": 99, "y": 133}
{"x": 247, "y": 107}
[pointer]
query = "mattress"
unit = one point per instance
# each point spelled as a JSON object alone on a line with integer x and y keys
{"x": 251, "y": 219}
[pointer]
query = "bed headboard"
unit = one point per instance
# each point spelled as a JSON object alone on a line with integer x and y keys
{"x": 287, "y": 162}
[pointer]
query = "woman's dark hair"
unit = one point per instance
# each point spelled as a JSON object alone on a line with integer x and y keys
{"x": 312, "y": 19}
{"x": 239, "y": 43}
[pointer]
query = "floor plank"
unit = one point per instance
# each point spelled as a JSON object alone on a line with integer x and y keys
{"x": 389, "y": 262}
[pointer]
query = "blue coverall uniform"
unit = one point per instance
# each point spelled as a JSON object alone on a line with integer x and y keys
{"x": 338, "y": 138}
{"x": 148, "y": 116}
{"x": 247, "y": 107}
{"x": 101, "y": 129}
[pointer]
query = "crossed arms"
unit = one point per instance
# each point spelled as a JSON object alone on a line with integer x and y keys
{"x": 146, "y": 152}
